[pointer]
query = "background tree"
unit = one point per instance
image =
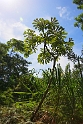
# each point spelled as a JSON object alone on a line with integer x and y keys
{"x": 79, "y": 19}
{"x": 12, "y": 68}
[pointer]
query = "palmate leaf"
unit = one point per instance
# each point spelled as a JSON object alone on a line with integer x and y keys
{"x": 41, "y": 24}
{"x": 70, "y": 43}
{"x": 79, "y": 21}
{"x": 44, "y": 58}
{"x": 54, "y": 21}
{"x": 31, "y": 42}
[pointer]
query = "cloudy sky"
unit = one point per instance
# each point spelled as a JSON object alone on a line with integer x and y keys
{"x": 17, "y": 15}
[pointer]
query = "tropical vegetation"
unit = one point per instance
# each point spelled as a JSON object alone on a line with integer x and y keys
{"x": 54, "y": 98}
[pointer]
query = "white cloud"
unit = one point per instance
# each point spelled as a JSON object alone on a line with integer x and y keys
{"x": 64, "y": 61}
{"x": 11, "y": 29}
{"x": 64, "y": 13}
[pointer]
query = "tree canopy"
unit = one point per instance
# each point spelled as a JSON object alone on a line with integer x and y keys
{"x": 50, "y": 34}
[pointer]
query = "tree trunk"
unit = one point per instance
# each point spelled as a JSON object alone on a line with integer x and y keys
{"x": 45, "y": 93}
{"x": 39, "y": 106}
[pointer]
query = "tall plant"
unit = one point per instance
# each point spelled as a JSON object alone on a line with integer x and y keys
{"x": 52, "y": 36}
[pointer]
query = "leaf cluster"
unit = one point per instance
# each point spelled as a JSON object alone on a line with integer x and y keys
{"x": 79, "y": 18}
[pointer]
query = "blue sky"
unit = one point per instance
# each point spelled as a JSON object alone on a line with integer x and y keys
{"x": 17, "y": 15}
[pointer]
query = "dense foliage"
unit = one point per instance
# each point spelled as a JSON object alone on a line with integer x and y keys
{"x": 79, "y": 18}
{"x": 57, "y": 96}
